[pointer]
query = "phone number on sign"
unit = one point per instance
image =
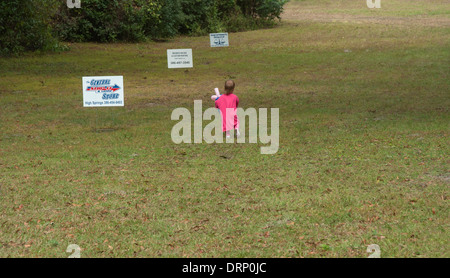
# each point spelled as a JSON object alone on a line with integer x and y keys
{"x": 113, "y": 102}
{"x": 180, "y": 62}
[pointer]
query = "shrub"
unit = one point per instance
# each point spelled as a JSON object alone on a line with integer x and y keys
{"x": 107, "y": 20}
{"x": 25, "y": 26}
{"x": 263, "y": 9}
{"x": 137, "y": 20}
{"x": 34, "y": 24}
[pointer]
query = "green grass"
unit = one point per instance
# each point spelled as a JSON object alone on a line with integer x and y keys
{"x": 363, "y": 155}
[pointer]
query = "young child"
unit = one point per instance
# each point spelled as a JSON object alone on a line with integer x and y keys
{"x": 230, "y": 101}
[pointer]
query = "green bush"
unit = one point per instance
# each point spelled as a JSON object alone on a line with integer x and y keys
{"x": 262, "y": 9}
{"x": 199, "y": 17}
{"x": 137, "y": 20}
{"x": 28, "y": 25}
{"x": 107, "y": 20}
{"x": 270, "y": 9}
{"x": 25, "y": 26}
{"x": 168, "y": 23}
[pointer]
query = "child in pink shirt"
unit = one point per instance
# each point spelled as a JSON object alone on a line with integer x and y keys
{"x": 227, "y": 104}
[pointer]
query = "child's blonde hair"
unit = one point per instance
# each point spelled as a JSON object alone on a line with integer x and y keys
{"x": 229, "y": 87}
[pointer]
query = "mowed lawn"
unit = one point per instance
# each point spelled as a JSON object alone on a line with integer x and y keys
{"x": 363, "y": 156}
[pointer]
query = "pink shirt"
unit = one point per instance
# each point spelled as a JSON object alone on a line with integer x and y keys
{"x": 230, "y": 119}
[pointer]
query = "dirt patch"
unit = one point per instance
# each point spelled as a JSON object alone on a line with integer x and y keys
{"x": 443, "y": 177}
{"x": 294, "y": 11}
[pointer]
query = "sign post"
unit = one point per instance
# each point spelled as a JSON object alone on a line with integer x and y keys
{"x": 103, "y": 91}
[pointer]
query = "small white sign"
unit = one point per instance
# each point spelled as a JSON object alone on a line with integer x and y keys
{"x": 218, "y": 39}
{"x": 179, "y": 58}
{"x": 103, "y": 91}
{"x": 374, "y": 4}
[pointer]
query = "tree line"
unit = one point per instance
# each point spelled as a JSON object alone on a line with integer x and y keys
{"x": 30, "y": 25}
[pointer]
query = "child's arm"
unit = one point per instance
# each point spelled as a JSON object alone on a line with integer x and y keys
{"x": 217, "y": 95}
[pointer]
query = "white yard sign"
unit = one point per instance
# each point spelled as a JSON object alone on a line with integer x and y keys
{"x": 103, "y": 91}
{"x": 179, "y": 58}
{"x": 218, "y": 39}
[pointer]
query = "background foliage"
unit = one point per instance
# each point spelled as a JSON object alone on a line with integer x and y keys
{"x": 25, "y": 26}
{"x": 28, "y": 24}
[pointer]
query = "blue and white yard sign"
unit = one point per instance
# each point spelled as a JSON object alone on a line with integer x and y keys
{"x": 103, "y": 91}
{"x": 179, "y": 58}
{"x": 218, "y": 39}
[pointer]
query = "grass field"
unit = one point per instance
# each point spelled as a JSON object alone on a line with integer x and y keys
{"x": 364, "y": 99}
